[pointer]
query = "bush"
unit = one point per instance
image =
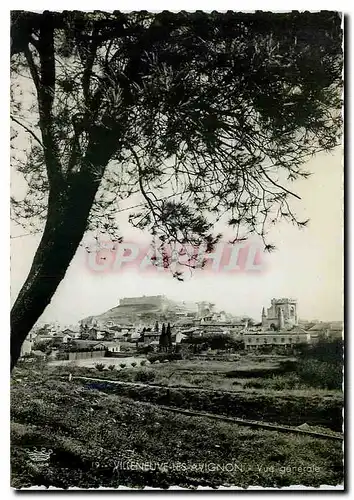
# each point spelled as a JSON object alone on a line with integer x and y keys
{"x": 199, "y": 380}
{"x": 175, "y": 356}
{"x": 143, "y": 362}
{"x": 122, "y": 365}
{"x": 62, "y": 356}
{"x": 99, "y": 367}
{"x": 163, "y": 357}
{"x": 253, "y": 373}
{"x": 145, "y": 349}
{"x": 126, "y": 375}
{"x": 330, "y": 351}
{"x": 145, "y": 376}
{"x": 133, "y": 364}
{"x": 321, "y": 374}
{"x": 278, "y": 382}
{"x": 308, "y": 373}
{"x": 111, "y": 367}
{"x": 253, "y": 384}
{"x": 215, "y": 342}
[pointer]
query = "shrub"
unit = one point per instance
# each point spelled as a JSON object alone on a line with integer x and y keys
{"x": 122, "y": 365}
{"x": 321, "y": 374}
{"x": 175, "y": 356}
{"x": 126, "y": 375}
{"x": 198, "y": 380}
{"x": 253, "y": 373}
{"x": 253, "y": 384}
{"x": 134, "y": 364}
{"x": 163, "y": 357}
{"x": 145, "y": 349}
{"x": 145, "y": 376}
{"x": 278, "y": 382}
{"x": 111, "y": 367}
{"x": 99, "y": 367}
{"x": 326, "y": 350}
{"x": 143, "y": 362}
{"x": 153, "y": 357}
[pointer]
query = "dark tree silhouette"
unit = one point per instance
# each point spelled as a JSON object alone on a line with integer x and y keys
{"x": 206, "y": 115}
{"x": 142, "y": 336}
{"x": 169, "y": 336}
{"x": 163, "y": 340}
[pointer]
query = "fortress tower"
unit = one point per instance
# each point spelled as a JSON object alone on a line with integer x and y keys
{"x": 205, "y": 309}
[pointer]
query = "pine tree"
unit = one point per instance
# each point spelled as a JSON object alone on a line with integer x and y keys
{"x": 143, "y": 334}
{"x": 169, "y": 336}
{"x": 163, "y": 338}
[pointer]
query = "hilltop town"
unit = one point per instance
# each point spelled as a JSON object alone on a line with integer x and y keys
{"x": 154, "y": 323}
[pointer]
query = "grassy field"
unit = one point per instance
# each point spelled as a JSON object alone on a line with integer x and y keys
{"x": 249, "y": 373}
{"x": 106, "y": 434}
{"x": 98, "y": 439}
{"x": 219, "y": 387}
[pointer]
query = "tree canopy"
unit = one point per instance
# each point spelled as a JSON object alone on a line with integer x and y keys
{"x": 206, "y": 107}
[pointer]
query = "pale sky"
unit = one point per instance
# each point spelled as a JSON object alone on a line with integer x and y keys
{"x": 307, "y": 265}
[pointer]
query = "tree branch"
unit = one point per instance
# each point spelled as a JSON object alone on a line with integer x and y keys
{"x": 279, "y": 186}
{"x": 45, "y": 85}
{"x": 27, "y": 129}
{"x": 140, "y": 180}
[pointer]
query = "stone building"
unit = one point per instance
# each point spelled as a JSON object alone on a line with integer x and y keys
{"x": 284, "y": 339}
{"x": 282, "y": 314}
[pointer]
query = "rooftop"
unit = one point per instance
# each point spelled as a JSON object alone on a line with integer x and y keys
{"x": 276, "y": 334}
{"x": 284, "y": 300}
{"x": 332, "y": 325}
{"x": 110, "y": 344}
{"x": 85, "y": 343}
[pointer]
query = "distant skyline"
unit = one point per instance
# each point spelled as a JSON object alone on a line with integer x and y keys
{"x": 307, "y": 265}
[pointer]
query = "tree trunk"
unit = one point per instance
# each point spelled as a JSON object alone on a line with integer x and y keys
{"x": 68, "y": 212}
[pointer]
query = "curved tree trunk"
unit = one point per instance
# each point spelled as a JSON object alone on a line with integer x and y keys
{"x": 68, "y": 212}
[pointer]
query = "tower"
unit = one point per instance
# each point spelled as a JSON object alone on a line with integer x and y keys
{"x": 264, "y": 317}
{"x": 205, "y": 309}
{"x": 280, "y": 319}
{"x": 282, "y": 314}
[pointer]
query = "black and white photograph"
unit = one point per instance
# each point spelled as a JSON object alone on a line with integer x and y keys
{"x": 177, "y": 226}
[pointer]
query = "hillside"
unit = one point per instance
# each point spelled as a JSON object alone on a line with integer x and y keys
{"x": 146, "y": 308}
